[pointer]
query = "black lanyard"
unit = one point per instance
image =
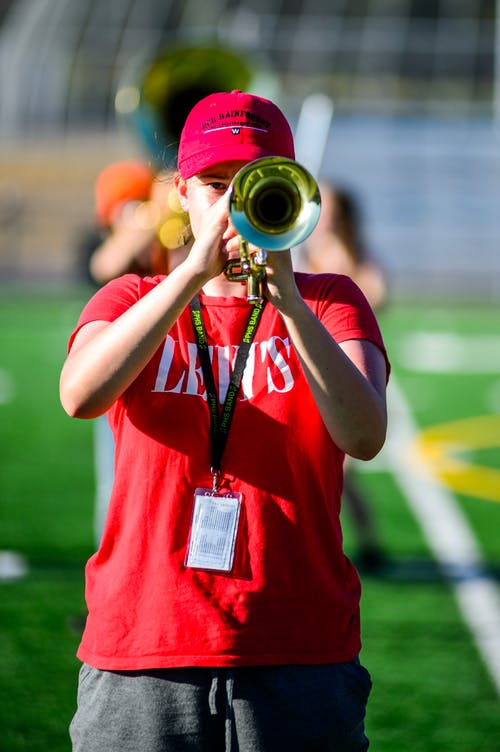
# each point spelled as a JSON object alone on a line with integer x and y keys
{"x": 220, "y": 423}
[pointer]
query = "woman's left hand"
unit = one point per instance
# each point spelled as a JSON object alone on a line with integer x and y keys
{"x": 281, "y": 287}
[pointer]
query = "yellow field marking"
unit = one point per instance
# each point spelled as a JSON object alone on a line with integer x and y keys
{"x": 444, "y": 449}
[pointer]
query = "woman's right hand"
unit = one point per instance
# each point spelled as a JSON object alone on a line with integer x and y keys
{"x": 215, "y": 242}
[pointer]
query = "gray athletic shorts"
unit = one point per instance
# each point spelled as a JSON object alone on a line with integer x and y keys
{"x": 257, "y": 709}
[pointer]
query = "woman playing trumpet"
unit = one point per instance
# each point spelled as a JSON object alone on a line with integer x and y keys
{"x": 222, "y": 608}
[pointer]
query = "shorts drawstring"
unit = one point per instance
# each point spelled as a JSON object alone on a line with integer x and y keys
{"x": 223, "y": 681}
{"x": 212, "y": 695}
{"x": 229, "y": 715}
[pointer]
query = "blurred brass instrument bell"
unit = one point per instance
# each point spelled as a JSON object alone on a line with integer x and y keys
{"x": 156, "y": 94}
{"x": 274, "y": 204}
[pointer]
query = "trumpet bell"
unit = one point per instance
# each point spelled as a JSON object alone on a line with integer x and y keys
{"x": 274, "y": 203}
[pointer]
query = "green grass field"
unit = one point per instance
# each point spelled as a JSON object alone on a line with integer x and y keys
{"x": 432, "y": 690}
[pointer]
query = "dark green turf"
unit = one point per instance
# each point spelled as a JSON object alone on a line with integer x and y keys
{"x": 431, "y": 690}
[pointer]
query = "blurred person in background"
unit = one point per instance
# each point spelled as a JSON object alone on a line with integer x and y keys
{"x": 140, "y": 226}
{"x": 337, "y": 245}
{"x": 223, "y": 612}
{"x": 141, "y": 229}
{"x": 145, "y": 229}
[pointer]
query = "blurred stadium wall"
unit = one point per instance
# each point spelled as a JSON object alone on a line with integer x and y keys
{"x": 415, "y": 131}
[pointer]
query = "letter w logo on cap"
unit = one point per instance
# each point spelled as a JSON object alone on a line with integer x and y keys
{"x": 235, "y": 131}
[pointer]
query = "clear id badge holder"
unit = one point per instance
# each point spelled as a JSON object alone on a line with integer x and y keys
{"x": 213, "y": 530}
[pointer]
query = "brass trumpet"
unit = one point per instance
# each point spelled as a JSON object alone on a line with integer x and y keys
{"x": 274, "y": 203}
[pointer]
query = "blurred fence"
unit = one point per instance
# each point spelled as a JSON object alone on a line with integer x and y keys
{"x": 413, "y": 132}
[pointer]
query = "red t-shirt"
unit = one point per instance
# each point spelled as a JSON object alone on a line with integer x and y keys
{"x": 292, "y": 596}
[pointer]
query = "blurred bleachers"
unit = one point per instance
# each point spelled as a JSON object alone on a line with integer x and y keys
{"x": 46, "y": 203}
{"x": 414, "y": 130}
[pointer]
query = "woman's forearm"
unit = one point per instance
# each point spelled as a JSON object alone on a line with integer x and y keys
{"x": 107, "y": 357}
{"x": 347, "y": 382}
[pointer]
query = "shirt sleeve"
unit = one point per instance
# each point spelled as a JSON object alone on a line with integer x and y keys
{"x": 110, "y": 301}
{"x": 342, "y": 308}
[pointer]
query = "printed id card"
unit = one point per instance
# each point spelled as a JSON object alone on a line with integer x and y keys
{"x": 213, "y": 530}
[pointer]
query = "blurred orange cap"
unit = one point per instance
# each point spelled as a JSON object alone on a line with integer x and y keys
{"x": 118, "y": 183}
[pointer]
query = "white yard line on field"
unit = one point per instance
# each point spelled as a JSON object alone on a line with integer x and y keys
{"x": 7, "y": 387}
{"x": 447, "y": 532}
{"x": 449, "y": 352}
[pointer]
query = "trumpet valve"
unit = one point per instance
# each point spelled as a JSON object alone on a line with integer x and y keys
{"x": 260, "y": 257}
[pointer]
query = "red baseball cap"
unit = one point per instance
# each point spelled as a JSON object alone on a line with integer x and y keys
{"x": 232, "y": 125}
